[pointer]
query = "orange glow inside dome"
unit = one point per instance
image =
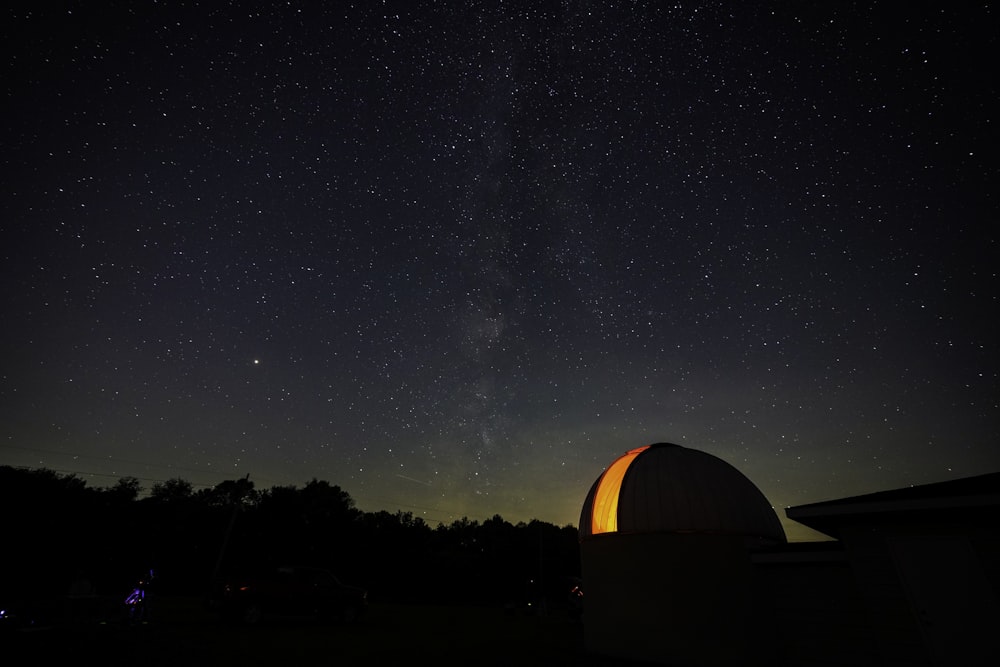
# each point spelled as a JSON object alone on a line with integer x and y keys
{"x": 604, "y": 516}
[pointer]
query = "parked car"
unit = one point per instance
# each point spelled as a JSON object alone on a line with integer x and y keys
{"x": 291, "y": 591}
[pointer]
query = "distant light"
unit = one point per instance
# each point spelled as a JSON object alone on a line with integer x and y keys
{"x": 256, "y": 362}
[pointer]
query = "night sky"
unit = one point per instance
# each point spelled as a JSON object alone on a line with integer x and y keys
{"x": 456, "y": 257}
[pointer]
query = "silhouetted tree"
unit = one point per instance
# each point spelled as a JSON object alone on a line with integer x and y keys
{"x": 126, "y": 489}
{"x": 172, "y": 490}
{"x": 231, "y": 492}
{"x": 49, "y": 521}
{"x": 112, "y": 536}
{"x": 327, "y": 504}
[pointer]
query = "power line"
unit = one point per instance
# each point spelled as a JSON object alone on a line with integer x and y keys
{"x": 113, "y": 459}
{"x": 121, "y": 461}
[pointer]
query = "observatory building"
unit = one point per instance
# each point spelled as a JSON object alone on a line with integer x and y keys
{"x": 685, "y": 563}
{"x": 665, "y": 534}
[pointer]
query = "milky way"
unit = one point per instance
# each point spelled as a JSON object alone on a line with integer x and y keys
{"x": 457, "y": 257}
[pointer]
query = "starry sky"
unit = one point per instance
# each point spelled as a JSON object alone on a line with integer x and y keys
{"x": 456, "y": 257}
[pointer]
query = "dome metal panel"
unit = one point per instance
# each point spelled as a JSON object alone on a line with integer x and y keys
{"x": 669, "y": 488}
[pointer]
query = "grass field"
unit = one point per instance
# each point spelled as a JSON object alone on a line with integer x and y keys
{"x": 182, "y": 632}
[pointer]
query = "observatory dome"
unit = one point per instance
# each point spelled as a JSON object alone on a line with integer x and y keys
{"x": 669, "y": 488}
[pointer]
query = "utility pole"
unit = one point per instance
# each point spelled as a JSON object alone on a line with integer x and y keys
{"x": 225, "y": 538}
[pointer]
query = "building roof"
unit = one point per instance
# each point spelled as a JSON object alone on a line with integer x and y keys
{"x": 669, "y": 488}
{"x": 981, "y": 492}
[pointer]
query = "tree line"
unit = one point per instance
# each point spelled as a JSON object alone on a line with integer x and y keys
{"x": 59, "y": 530}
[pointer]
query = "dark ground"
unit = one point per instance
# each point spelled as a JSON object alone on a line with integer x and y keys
{"x": 182, "y": 632}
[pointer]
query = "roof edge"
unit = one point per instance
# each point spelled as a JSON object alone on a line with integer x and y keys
{"x": 870, "y": 506}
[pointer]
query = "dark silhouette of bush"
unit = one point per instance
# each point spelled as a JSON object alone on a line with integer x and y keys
{"x": 59, "y": 529}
